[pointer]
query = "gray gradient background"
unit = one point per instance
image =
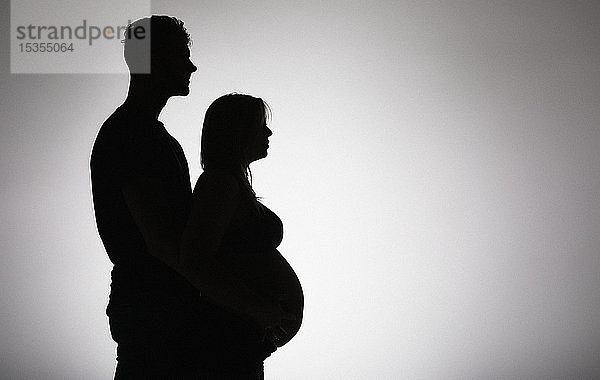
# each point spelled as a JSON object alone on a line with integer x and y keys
{"x": 436, "y": 165}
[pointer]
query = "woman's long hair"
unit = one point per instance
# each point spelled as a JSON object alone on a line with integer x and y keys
{"x": 230, "y": 124}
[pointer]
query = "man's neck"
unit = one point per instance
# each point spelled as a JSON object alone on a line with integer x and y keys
{"x": 145, "y": 100}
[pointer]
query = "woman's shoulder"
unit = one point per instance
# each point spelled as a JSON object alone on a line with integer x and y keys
{"x": 218, "y": 180}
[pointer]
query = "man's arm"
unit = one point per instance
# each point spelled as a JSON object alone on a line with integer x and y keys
{"x": 148, "y": 203}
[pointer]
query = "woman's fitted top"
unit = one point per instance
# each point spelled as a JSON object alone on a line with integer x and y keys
{"x": 260, "y": 234}
{"x": 250, "y": 252}
{"x": 195, "y": 329}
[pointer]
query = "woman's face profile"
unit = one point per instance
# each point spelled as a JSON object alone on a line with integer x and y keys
{"x": 258, "y": 146}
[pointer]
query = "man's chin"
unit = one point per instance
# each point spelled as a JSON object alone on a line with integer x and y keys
{"x": 182, "y": 92}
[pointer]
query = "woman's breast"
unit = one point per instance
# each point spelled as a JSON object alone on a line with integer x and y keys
{"x": 252, "y": 232}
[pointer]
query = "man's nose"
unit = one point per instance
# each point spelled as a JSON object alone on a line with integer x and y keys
{"x": 192, "y": 67}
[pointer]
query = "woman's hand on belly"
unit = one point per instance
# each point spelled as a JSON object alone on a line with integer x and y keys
{"x": 271, "y": 319}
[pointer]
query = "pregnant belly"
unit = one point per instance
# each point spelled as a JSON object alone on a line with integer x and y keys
{"x": 269, "y": 274}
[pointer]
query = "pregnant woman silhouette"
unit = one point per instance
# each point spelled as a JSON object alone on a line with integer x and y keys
{"x": 251, "y": 300}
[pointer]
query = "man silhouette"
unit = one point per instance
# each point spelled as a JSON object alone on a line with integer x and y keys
{"x": 141, "y": 192}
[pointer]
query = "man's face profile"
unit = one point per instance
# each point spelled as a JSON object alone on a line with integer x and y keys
{"x": 171, "y": 70}
{"x": 160, "y": 55}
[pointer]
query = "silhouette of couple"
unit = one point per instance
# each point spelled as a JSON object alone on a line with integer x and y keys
{"x": 198, "y": 288}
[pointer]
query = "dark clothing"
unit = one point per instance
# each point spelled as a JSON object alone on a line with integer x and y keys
{"x": 261, "y": 233}
{"x": 127, "y": 146}
{"x": 158, "y": 319}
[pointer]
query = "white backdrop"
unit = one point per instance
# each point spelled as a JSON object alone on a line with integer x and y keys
{"x": 436, "y": 165}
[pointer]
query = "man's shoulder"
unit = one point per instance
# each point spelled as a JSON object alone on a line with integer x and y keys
{"x": 123, "y": 127}
{"x": 123, "y": 122}
{"x": 125, "y": 135}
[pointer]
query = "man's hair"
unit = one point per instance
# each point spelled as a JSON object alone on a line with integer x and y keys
{"x": 152, "y": 38}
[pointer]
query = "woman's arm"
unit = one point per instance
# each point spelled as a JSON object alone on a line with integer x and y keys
{"x": 215, "y": 200}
